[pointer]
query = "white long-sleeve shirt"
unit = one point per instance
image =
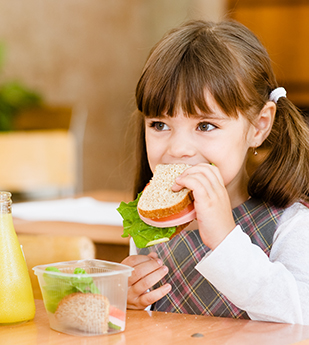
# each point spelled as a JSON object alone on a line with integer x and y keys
{"x": 274, "y": 288}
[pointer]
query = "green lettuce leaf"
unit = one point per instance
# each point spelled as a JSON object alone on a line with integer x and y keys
{"x": 58, "y": 286}
{"x": 142, "y": 233}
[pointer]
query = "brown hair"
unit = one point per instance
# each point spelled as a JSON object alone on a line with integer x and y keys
{"x": 229, "y": 61}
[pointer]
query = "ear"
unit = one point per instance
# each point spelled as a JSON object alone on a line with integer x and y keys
{"x": 263, "y": 124}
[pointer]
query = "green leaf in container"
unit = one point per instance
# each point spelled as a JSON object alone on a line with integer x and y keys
{"x": 58, "y": 286}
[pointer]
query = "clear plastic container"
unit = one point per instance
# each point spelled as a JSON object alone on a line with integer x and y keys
{"x": 85, "y": 297}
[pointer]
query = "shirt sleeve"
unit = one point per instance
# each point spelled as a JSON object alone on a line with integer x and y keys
{"x": 133, "y": 249}
{"x": 274, "y": 288}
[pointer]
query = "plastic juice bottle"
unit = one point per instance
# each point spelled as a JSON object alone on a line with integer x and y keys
{"x": 16, "y": 295}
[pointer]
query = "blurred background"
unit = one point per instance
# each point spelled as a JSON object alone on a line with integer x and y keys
{"x": 71, "y": 67}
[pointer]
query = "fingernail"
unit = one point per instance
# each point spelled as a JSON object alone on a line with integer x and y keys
{"x": 160, "y": 262}
{"x": 175, "y": 187}
{"x": 167, "y": 287}
{"x": 165, "y": 269}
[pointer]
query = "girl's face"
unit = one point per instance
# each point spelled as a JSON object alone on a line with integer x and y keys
{"x": 211, "y": 138}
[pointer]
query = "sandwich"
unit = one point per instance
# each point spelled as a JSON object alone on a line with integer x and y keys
{"x": 86, "y": 312}
{"x": 158, "y": 214}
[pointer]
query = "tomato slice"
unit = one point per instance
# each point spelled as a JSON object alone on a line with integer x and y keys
{"x": 185, "y": 211}
{"x": 115, "y": 312}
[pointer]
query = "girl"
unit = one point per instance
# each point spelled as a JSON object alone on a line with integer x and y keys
{"x": 208, "y": 94}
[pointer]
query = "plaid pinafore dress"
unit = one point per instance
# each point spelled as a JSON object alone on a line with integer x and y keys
{"x": 193, "y": 294}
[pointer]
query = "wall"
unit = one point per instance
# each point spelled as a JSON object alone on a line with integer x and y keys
{"x": 283, "y": 28}
{"x": 91, "y": 52}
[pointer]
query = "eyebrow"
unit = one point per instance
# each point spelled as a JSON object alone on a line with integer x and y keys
{"x": 211, "y": 116}
{"x": 203, "y": 116}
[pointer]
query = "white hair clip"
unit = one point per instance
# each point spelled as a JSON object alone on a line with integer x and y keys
{"x": 277, "y": 93}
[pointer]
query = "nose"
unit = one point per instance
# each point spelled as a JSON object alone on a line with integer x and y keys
{"x": 181, "y": 146}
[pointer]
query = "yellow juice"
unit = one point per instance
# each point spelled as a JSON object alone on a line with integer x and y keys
{"x": 16, "y": 295}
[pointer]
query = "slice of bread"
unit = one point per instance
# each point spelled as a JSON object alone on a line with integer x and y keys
{"x": 86, "y": 312}
{"x": 158, "y": 200}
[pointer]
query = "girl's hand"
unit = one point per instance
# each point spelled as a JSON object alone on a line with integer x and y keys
{"x": 148, "y": 270}
{"x": 211, "y": 202}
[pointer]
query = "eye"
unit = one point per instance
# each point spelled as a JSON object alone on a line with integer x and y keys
{"x": 159, "y": 126}
{"x": 205, "y": 127}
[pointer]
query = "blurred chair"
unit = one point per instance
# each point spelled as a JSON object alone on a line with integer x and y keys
{"x": 36, "y": 163}
{"x": 42, "y": 157}
{"x": 47, "y": 249}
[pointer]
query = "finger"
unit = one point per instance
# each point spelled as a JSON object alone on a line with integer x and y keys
{"x": 153, "y": 255}
{"x": 203, "y": 180}
{"x": 208, "y": 170}
{"x": 201, "y": 185}
{"x": 143, "y": 269}
{"x": 150, "y": 297}
{"x": 142, "y": 265}
{"x": 135, "y": 260}
{"x": 147, "y": 282}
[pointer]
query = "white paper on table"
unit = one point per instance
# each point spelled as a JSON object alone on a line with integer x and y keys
{"x": 80, "y": 210}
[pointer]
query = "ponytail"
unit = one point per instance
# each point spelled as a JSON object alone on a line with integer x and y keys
{"x": 283, "y": 177}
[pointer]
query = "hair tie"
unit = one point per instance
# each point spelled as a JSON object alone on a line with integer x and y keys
{"x": 277, "y": 93}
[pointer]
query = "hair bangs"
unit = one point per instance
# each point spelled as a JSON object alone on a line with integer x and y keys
{"x": 174, "y": 80}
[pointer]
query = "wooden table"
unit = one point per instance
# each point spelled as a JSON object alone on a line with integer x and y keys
{"x": 161, "y": 328}
{"x": 107, "y": 238}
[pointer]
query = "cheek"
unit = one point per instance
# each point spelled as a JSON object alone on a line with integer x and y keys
{"x": 231, "y": 170}
{"x": 232, "y": 161}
